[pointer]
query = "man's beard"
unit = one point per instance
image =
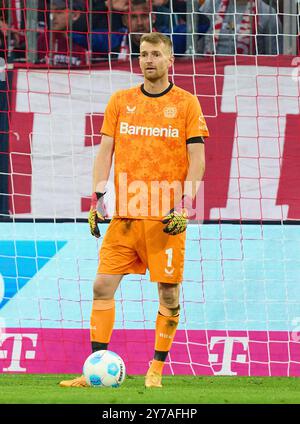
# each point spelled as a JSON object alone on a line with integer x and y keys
{"x": 153, "y": 77}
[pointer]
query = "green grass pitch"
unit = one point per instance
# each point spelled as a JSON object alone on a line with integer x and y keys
{"x": 44, "y": 389}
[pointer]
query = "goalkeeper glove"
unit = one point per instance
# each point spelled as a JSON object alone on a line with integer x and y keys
{"x": 97, "y": 213}
{"x": 177, "y": 219}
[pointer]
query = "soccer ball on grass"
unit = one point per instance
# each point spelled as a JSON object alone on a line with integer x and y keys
{"x": 104, "y": 368}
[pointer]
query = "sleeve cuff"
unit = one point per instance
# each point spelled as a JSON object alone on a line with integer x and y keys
{"x": 195, "y": 140}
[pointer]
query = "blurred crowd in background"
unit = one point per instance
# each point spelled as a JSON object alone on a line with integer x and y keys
{"x": 81, "y": 32}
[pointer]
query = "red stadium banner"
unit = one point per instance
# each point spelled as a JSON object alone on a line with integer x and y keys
{"x": 252, "y": 155}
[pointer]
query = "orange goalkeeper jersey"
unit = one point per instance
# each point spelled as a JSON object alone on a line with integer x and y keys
{"x": 151, "y": 133}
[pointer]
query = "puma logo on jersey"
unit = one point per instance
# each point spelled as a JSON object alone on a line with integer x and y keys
{"x": 170, "y": 132}
{"x": 130, "y": 109}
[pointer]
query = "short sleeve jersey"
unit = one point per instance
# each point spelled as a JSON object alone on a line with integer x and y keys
{"x": 151, "y": 133}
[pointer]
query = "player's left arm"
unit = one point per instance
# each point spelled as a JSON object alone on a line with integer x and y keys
{"x": 196, "y": 133}
{"x": 196, "y": 169}
{"x": 196, "y": 130}
{"x": 178, "y": 217}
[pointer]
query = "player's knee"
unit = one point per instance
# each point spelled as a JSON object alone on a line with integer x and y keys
{"x": 102, "y": 288}
{"x": 169, "y": 303}
{"x": 169, "y": 295}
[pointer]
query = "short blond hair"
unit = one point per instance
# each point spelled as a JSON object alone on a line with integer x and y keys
{"x": 157, "y": 38}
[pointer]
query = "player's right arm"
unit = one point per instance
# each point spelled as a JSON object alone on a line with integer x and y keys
{"x": 101, "y": 171}
{"x": 102, "y": 163}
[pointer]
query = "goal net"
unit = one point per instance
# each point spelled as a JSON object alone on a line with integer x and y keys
{"x": 240, "y": 307}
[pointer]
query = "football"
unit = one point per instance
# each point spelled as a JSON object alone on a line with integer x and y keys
{"x": 104, "y": 368}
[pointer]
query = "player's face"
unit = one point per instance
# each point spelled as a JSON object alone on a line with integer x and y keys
{"x": 155, "y": 60}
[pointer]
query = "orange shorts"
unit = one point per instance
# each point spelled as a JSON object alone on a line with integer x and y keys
{"x": 130, "y": 246}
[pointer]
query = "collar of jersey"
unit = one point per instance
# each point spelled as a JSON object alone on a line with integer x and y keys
{"x": 159, "y": 94}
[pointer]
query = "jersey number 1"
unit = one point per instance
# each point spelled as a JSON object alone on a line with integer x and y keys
{"x": 169, "y": 268}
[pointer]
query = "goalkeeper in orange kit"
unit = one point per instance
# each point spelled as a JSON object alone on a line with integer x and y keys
{"x": 156, "y": 132}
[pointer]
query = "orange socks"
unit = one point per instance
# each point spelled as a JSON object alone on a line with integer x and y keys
{"x": 102, "y": 320}
{"x": 102, "y": 323}
{"x": 166, "y": 326}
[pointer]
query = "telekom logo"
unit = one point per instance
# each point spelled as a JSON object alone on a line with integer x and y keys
{"x": 227, "y": 358}
{"x": 15, "y": 353}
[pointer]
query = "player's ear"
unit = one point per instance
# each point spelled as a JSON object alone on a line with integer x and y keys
{"x": 171, "y": 60}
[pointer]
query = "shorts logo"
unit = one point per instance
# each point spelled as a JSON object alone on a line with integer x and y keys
{"x": 170, "y": 112}
{"x": 130, "y": 109}
{"x": 169, "y": 271}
